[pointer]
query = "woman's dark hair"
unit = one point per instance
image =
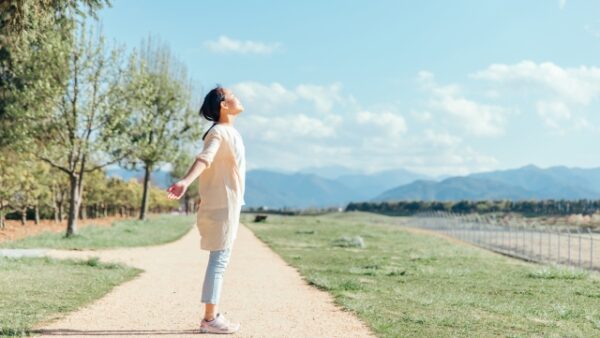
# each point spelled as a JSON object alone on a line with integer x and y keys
{"x": 211, "y": 108}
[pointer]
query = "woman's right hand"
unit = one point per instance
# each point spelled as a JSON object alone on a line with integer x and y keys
{"x": 177, "y": 190}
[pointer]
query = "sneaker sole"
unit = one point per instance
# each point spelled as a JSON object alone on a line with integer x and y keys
{"x": 205, "y": 330}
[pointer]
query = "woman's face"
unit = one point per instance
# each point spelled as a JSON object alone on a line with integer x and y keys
{"x": 231, "y": 104}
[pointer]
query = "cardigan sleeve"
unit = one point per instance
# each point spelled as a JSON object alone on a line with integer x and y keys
{"x": 212, "y": 142}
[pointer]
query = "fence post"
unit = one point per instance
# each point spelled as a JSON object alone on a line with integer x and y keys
{"x": 541, "y": 254}
{"x": 579, "y": 256}
{"x": 558, "y": 246}
{"x": 549, "y": 244}
{"x": 591, "y": 248}
{"x": 569, "y": 246}
{"x": 525, "y": 247}
{"x": 522, "y": 228}
{"x": 505, "y": 237}
{"x": 532, "y": 239}
{"x": 509, "y": 228}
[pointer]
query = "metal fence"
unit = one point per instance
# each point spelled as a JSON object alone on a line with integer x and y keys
{"x": 534, "y": 242}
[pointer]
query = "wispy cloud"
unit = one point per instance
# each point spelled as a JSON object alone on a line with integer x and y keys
{"x": 393, "y": 124}
{"x": 475, "y": 118}
{"x": 225, "y": 44}
{"x": 554, "y": 114}
{"x": 558, "y": 94}
{"x": 319, "y": 124}
{"x": 580, "y": 85}
{"x": 593, "y": 29}
{"x": 562, "y": 3}
{"x": 275, "y": 95}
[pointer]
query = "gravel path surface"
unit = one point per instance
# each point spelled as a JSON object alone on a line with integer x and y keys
{"x": 268, "y": 297}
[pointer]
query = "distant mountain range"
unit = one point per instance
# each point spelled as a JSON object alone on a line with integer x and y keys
{"x": 526, "y": 183}
{"x": 159, "y": 178}
{"x": 307, "y": 189}
{"x": 337, "y": 185}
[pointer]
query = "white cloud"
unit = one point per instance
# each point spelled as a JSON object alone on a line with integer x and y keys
{"x": 267, "y": 97}
{"x": 579, "y": 85}
{"x": 554, "y": 113}
{"x": 393, "y": 124}
{"x": 443, "y": 139}
{"x": 476, "y": 118}
{"x": 225, "y": 44}
{"x": 562, "y": 3}
{"x": 318, "y": 125}
{"x": 290, "y": 128}
{"x": 559, "y": 95}
{"x": 422, "y": 116}
{"x": 275, "y": 95}
{"x": 323, "y": 97}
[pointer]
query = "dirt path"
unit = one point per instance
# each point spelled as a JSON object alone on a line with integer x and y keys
{"x": 263, "y": 293}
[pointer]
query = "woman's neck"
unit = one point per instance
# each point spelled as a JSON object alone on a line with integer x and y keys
{"x": 227, "y": 119}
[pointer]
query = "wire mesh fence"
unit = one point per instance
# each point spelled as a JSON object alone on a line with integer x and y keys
{"x": 534, "y": 242}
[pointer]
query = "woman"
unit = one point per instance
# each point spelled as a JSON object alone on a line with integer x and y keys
{"x": 221, "y": 169}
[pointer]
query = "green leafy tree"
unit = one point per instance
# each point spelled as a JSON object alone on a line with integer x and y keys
{"x": 181, "y": 165}
{"x": 28, "y": 190}
{"x": 95, "y": 194}
{"x": 35, "y": 41}
{"x": 87, "y": 130}
{"x": 9, "y": 184}
{"x": 163, "y": 120}
{"x": 59, "y": 193}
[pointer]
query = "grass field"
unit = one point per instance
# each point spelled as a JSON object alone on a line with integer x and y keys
{"x": 41, "y": 289}
{"x": 130, "y": 233}
{"x": 406, "y": 284}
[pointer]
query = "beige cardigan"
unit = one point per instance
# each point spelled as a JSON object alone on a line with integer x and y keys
{"x": 222, "y": 183}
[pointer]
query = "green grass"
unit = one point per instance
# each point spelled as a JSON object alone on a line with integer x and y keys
{"x": 404, "y": 284}
{"x": 34, "y": 289}
{"x": 131, "y": 233}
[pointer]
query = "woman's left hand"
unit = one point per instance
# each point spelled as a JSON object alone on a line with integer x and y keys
{"x": 176, "y": 190}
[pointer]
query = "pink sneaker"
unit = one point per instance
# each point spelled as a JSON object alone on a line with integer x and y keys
{"x": 218, "y": 325}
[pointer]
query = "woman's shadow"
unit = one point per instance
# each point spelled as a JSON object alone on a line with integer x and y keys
{"x": 70, "y": 332}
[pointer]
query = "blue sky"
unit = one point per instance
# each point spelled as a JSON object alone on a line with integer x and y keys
{"x": 437, "y": 87}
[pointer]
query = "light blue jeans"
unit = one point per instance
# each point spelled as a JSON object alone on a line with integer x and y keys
{"x": 213, "y": 279}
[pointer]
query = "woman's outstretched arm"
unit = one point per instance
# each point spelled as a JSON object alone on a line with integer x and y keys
{"x": 178, "y": 189}
{"x": 203, "y": 161}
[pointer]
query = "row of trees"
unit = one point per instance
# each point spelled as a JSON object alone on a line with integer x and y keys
{"x": 34, "y": 187}
{"x": 72, "y": 102}
{"x": 529, "y": 208}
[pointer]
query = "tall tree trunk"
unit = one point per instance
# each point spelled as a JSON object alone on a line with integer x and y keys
{"x": 74, "y": 202}
{"x": 83, "y": 212}
{"x": 55, "y": 205}
{"x": 37, "y": 214}
{"x": 56, "y": 220}
{"x": 144, "y": 208}
{"x": 23, "y": 216}
{"x": 186, "y": 203}
{"x": 60, "y": 212}
{"x": 2, "y": 225}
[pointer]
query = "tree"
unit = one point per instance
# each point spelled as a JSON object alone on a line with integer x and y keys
{"x": 27, "y": 191}
{"x": 8, "y": 183}
{"x": 181, "y": 165}
{"x": 35, "y": 40}
{"x": 95, "y": 195}
{"x": 163, "y": 120}
{"x": 88, "y": 125}
{"x": 59, "y": 190}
